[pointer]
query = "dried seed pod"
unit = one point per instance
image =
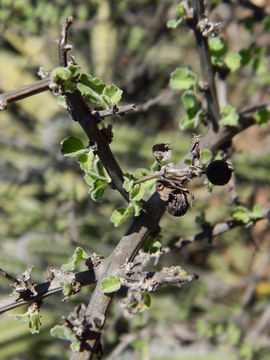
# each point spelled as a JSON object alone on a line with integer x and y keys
{"x": 177, "y": 204}
{"x": 163, "y": 190}
{"x": 162, "y": 152}
{"x": 219, "y": 172}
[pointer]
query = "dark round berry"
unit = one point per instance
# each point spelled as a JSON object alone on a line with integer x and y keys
{"x": 219, "y": 172}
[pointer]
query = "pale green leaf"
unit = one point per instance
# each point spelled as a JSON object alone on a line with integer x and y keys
{"x": 121, "y": 214}
{"x": 206, "y": 155}
{"x": 110, "y": 284}
{"x": 65, "y": 333}
{"x": 229, "y": 116}
{"x": 78, "y": 256}
{"x": 217, "y": 46}
{"x": 183, "y": 79}
{"x": 241, "y": 214}
{"x": 60, "y": 75}
{"x": 233, "y": 61}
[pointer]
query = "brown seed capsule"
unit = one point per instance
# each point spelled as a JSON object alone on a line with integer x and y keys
{"x": 177, "y": 204}
{"x": 219, "y": 172}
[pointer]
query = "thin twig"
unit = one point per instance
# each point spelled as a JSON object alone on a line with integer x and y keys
{"x": 23, "y": 92}
{"x": 46, "y": 289}
{"x": 212, "y": 231}
{"x": 207, "y": 71}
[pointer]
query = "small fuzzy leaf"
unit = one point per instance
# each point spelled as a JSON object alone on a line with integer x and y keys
{"x": 67, "y": 287}
{"x": 181, "y": 271}
{"x": 230, "y": 116}
{"x": 62, "y": 101}
{"x": 141, "y": 172}
{"x": 128, "y": 183}
{"x": 206, "y": 155}
{"x": 174, "y": 23}
{"x": 113, "y": 93}
{"x": 262, "y": 116}
{"x": 32, "y": 317}
{"x": 151, "y": 246}
{"x": 257, "y": 211}
{"x": 60, "y": 75}
{"x": 136, "y": 193}
{"x": 183, "y": 79}
{"x": 233, "y": 61}
{"x": 86, "y": 161}
{"x": 98, "y": 189}
{"x": 78, "y": 256}
{"x": 120, "y": 215}
{"x": 72, "y": 146}
{"x": 189, "y": 101}
{"x": 217, "y": 46}
{"x": 110, "y": 284}
{"x": 240, "y": 213}
{"x": 137, "y": 206}
{"x": 65, "y": 333}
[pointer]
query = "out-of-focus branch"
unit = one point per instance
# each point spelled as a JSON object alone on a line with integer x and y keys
{"x": 23, "y": 92}
{"x": 211, "y": 231}
{"x": 207, "y": 71}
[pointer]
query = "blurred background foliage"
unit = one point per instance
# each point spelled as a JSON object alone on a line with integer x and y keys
{"x": 44, "y": 203}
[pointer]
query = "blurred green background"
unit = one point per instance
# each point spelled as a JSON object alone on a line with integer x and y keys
{"x": 45, "y": 208}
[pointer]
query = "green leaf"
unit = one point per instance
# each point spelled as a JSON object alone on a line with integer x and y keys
{"x": 141, "y": 306}
{"x": 181, "y": 271}
{"x": 74, "y": 69}
{"x": 245, "y": 56}
{"x": 183, "y": 79}
{"x": 136, "y": 193}
{"x": 262, "y": 116}
{"x": 128, "y": 182}
{"x": 113, "y": 93}
{"x": 147, "y": 301}
{"x": 151, "y": 246}
{"x": 65, "y": 333}
{"x": 98, "y": 189}
{"x": 86, "y": 161}
{"x": 217, "y": 46}
{"x": 266, "y": 23}
{"x": 233, "y": 61}
{"x": 154, "y": 166}
{"x": 206, "y": 155}
{"x": 200, "y": 219}
{"x": 67, "y": 287}
{"x": 257, "y": 211}
{"x": 137, "y": 206}
{"x": 110, "y": 284}
{"x": 97, "y": 92}
{"x": 120, "y": 215}
{"x": 259, "y": 64}
{"x": 240, "y": 213}
{"x": 32, "y": 317}
{"x": 230, "y": 116}
{"x": 190, "y": 102}
{"x": 233, "y": 334}
{"x": 188, "y": 122}
{"x": 72, "y": 146}
{"x": 60, "y": 74}
{"x": 61, "y": 99}
{"x": 141, "y": 172}
{"x": 78, "y": 256}
{"x": 174, "y": 23}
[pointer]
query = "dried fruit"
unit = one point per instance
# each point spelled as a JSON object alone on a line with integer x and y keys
{"x": 219, "y": 172}
{"x": 177, "y": 204}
